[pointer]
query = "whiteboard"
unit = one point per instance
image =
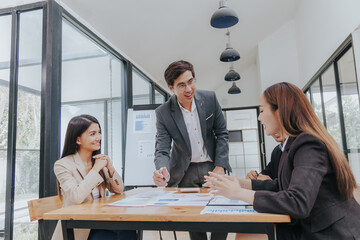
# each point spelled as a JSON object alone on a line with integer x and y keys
{"x": 140, "y": 148}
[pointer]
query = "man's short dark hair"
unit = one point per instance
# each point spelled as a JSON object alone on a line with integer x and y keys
{"x": 175, "y": 69}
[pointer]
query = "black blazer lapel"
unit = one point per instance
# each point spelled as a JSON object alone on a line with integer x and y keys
{"x": 284, "y": 161}
{"x": 179, "y": 120}
{"x": 200, "y": 105}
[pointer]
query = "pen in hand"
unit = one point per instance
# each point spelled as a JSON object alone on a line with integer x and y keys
{"x": 164, "y": 172}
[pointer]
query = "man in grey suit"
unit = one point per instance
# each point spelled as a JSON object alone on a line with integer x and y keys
{"x": 191, "y": 138}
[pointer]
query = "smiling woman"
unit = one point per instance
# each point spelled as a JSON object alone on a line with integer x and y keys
{"x": 84, "y": 174}
{"x": 269, "y": 118}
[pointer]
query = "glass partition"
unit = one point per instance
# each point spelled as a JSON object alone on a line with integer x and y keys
{"x": 28, "y": 122}
{"x": 244, "y": 151}
{"x": 5, "y": 47}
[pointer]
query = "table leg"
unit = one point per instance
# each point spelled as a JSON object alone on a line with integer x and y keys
{"x": 68, "y": 233}
{"x": 271, "y": 231}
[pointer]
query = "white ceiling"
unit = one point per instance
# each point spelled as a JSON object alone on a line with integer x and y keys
{"x": 158, "y": 32}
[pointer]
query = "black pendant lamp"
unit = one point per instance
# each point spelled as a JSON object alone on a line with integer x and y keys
{"x": 232, "y": 75}
{"x": 224, "y": 17}
{"x": 229, "y": 54}
{"x": 234, "y": 89}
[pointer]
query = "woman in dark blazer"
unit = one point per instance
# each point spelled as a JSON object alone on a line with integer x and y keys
{"x": 315, "y": 184}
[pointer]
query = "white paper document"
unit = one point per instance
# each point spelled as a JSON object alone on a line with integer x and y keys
{"x": 223, "y": 201}
{"x": 182, "y": 199}
{"x": 164, "y": 198}
{"x": 141, "y": 199}
{"x": 228, "y": 210}
{"x": 214, "y": 204}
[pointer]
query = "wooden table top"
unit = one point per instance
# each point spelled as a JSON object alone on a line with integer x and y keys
{"x": 98, "y": 210}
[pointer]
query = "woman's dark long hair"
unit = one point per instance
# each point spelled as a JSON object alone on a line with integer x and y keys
{"x": 297, "y": 116}
{"x": 76, "y": 127}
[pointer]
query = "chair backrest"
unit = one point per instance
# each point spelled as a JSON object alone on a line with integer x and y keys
{"x": 357, "y": 194}
{"x": 38, "y": 207}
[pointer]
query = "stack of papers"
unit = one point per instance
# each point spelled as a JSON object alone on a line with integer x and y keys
{"x": 222, "y": 205}
{"x": 172, "y": 198}
{"x": 164, "y": 198}
{"x": 228, "y": 210}
{"x": 223, "y": 201}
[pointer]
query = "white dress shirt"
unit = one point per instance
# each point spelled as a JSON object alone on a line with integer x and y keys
{"x": 282, "y": 147}
{"x": 192, "y": 122}
{"x": 95, "y": 192}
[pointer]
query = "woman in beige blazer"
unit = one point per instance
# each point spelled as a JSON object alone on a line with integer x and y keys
{"x": 83, "y": 174}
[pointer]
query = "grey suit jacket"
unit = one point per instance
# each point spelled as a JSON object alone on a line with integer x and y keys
{"x": 173, "y": 149}
{"x": 306, "y": 189}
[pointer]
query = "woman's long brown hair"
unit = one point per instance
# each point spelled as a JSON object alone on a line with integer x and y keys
{"x": 296, "y": 116}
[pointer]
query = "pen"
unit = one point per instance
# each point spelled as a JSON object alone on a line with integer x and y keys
{"x": 160, "y": 170}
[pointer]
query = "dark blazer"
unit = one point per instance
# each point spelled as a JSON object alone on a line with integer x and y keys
{"x": 172, "y": 135}
{"x": 271, "y": 169}
{"x": 306, "y": 190}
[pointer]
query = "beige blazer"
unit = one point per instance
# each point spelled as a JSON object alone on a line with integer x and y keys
{"x": 77, "y": 185}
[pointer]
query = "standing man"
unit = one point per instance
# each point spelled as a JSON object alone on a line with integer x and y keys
{"x": 191, "y": 138}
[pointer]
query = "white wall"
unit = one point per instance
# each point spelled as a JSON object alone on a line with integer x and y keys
{"x": 321, "y": 26}
{"x": 13, "y": 3}
{"x": 297, "y": 50}
{"x": 249, "y": 86}
{"x": 300, "y": 47}
{"x": 278, "y": 62}
{"x": 278, "y": 58}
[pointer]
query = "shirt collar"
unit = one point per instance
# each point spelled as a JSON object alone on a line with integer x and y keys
{"x": 282, "y": 147}
{"x": 193, "y": 106}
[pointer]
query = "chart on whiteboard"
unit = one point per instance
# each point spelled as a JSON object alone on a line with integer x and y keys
{"x": 143, "y": 122}
{"x": 146, "y": 149}
{"x": 140, "y": 148}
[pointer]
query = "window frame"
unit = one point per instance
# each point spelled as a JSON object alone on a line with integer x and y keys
{"x": 333, "y": 61}
{"x": 50, "y": 121}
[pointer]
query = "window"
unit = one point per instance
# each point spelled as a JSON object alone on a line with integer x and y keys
{"x": 159, "y": 97}
{"x": 316, "y": 100}
{"x": 28, "y": 122}
{"x": 350, "y": 109}
{"x": 331, "y": 104}
{"x": 334, "y": 94}
{"x": 5, "y": 47}
{"x": 91, "y": 84}
{"x": 141, "y": 89}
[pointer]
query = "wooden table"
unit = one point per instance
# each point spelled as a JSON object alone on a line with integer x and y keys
{"x": 97, "y": 215}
